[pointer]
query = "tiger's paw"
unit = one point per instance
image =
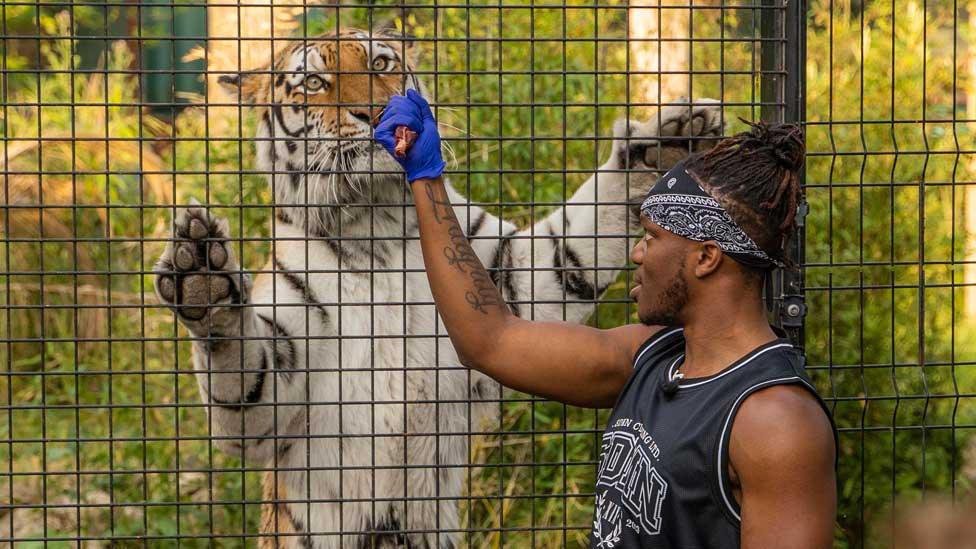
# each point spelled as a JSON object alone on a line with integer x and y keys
{"x": 650, "y": 148}
{"x": 197, "y": 275}
{"x": 669, "y": 136}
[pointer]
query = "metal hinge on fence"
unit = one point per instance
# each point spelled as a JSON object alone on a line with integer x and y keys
{"x": 793, "y": 307}
{"x": 792, "y": 312}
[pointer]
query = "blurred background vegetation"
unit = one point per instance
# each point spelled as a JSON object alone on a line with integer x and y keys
{"x": 106, "y": 127}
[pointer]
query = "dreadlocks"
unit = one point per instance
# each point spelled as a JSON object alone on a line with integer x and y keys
{"x": 755, "y": 176}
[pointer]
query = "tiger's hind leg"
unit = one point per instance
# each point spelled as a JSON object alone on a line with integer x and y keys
{"x": 277, "y": 527}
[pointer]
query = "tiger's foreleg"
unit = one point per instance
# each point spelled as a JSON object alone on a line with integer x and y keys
{"x": 562, "y": 264}
{"x": 244, "y": 361}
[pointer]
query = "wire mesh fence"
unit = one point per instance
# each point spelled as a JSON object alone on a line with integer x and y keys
{"x": 325, "y": 406}
{"x": 889, "y": 249}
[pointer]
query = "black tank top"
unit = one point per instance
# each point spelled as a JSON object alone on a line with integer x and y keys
{"x": 663, "y": 478}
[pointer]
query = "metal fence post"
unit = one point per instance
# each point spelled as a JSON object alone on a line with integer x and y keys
{"x": 793, "y": 305}
{"x": 783, "y": 96}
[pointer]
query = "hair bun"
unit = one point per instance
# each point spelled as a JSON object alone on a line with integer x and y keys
{"x": 784, "y": 142}
{"x": 787, "y": 143}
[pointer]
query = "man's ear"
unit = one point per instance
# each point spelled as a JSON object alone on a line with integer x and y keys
{"x": 708, "y": 258}
{"x": 247, "y": 87}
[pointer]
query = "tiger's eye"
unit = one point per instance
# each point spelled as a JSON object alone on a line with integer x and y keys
{"x": 380, "y": 64}
{"x": 313, "y": 83}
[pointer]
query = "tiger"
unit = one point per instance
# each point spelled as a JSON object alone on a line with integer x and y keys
{"x": 328, "y": 368}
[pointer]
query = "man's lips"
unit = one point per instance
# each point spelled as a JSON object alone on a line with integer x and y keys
{"x": 636, "y": 289}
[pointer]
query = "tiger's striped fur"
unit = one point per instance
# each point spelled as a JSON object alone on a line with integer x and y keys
{"x": 338, "y": 383}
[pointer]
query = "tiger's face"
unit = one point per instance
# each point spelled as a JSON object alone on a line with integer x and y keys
{"x": 317, "y": 106}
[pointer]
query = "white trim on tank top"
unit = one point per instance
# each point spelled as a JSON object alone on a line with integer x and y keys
{"x": 725, "y": 427}
{"x": 660, "y": 337}
{"x": 672, "y": 368}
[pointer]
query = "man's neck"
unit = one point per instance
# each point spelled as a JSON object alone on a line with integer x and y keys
{"x": 721, "y": 335}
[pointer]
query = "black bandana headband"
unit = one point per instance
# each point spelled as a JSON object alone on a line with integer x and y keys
{"x": 680, "y": 206}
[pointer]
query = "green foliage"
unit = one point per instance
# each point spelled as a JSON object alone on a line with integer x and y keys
{"x": 886, "y": 239}
{"x": 530, "y": 119}
{"x": 97, "y": 380}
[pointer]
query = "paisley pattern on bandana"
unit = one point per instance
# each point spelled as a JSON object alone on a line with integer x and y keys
{"x": 689, "y": 212}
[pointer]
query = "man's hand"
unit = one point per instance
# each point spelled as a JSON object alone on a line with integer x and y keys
{"x": 423, "y": 159}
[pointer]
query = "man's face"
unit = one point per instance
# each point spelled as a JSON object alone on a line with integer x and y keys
{"x": 661, "y": 291}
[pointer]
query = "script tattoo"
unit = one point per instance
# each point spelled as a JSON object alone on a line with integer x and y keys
{"x": 442, "y": 206}
{"x": 461, "y": 256}
{"x": 476, "y": 303}
{"x": 459, "y": 253}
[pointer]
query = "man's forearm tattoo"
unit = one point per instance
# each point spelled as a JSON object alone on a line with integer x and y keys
{"x": 442, "y": 206}
{"x": 462, "y": 257}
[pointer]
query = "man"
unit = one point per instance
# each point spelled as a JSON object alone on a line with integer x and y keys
{"x": 717, "y": 438}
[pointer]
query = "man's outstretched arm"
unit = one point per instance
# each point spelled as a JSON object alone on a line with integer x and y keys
{"x": 567, "y": 362}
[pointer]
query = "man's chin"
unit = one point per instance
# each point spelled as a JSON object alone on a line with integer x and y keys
{"x": 655, "y": 318}
{"x": 648, "y": 320}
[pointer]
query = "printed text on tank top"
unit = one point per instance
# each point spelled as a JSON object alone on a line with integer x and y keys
{"x": 664, "y": 478}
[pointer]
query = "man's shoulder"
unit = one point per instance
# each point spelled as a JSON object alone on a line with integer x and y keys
{"x": 783, "y": 424}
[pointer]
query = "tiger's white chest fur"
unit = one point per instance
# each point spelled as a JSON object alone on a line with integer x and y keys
{"x": 384, "y": 385}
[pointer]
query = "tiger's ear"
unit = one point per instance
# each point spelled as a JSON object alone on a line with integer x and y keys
{"x": 410, "y": 44}
{"x": 412, "y": 50}
{"x": 247, "y": 87}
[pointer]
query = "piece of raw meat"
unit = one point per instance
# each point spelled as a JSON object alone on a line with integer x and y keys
{"x": 404, "y": 139}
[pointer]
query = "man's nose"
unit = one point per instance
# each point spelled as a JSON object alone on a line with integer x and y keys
{"x": 637, "y": 252}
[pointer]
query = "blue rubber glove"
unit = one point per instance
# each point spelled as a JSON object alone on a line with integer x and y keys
{"x": 423, "y": 159}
